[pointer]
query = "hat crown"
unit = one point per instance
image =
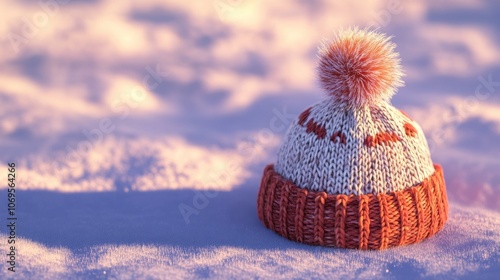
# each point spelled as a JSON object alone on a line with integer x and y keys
{"x": 374, "y": 149}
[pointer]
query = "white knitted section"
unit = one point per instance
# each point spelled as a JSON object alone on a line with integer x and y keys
{"x": 354, "y": 168}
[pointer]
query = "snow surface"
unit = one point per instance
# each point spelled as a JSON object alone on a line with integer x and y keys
{"x": 229, "y": 78}
{"x": 142, "y": 235}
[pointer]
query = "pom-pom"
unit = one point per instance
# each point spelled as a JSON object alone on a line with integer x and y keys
{"x": 359, "y": 67}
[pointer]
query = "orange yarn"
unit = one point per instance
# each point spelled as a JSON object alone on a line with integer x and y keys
{"x": 355, "y": 221}
{"x": 318, "y": 129}
{"x": 410, "y": 130}
{"x": 304, "y": 115}
{"x": 381, "y": 138}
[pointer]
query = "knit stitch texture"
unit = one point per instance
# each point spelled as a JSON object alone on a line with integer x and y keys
{"x": 349, "y": 163}
{"x": 353, "y": 171}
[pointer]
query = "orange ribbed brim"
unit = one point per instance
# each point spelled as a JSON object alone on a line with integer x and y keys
{"x": 355, "y": 221}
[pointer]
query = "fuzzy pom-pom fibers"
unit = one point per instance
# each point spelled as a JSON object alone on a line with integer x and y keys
{"x": 359, "y": 67}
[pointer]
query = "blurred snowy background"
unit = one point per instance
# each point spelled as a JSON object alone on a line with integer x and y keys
{"x": 122, "y": 115}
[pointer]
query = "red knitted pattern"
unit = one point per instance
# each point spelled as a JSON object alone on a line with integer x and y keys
{"x": 381, "y": 138}
{"x": 410, "y": 130}
{"x": 338, "y": 135}
{"x": 368, "y": 222}
{"x": 318, "y": 129}
{"x": 304, "y": 115}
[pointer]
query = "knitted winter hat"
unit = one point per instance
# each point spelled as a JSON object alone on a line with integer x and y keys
{"x": 353, "y": 171}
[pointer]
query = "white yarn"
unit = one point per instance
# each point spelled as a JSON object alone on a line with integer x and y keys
{"x": 354, "y": 168}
